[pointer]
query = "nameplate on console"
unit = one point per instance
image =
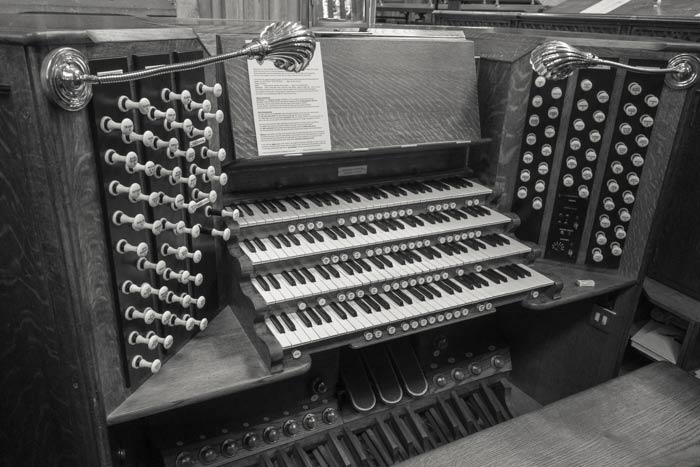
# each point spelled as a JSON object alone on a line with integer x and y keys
{"x": 353, "y": 170}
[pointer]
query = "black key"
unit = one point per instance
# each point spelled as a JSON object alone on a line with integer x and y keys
{"x": 394, "y": 298}
{"x": 249, "y": 245}
{"x": 331, "y": 234}
{"x": 333, "y": 199}
{"x": 382, "y": 302}
{"x": 270, "y": 205}
{"x": 489, "y": 239}
{"x": 403, "y": 296}
{"x": 344, "y": 196}
{"x": 509, "y": 272}
{"x": 426, "y": 218}
{"x": 382, "y": 194}
{"x": 297, "y": 275}
{"x": 349, "y": 232}
{"x": 428, "y": 294}
{"x": 322, "y": 272}
{"x": 338, "y": 311}
{"x": 481, "y": 280}
{"x": 364, "y": 265}
{"x": 366, "y": 308}
{"x": 261, "y": 207}
{"x": 259, "y": 244}
{"x": 360, "y": 229}
{"x": 385, "y": 260}
{"x": 307, "y": 237}
{"x": 453, "y": 215}
{"x": 315, "y": 200}
{"x": 316, "y": 235}
{"x": 369, "y": 228}
{"x": 376, "y": 262}
{"x": 274, "y": 241}
{"x": 492, "y": 275}
{"x": 433, "y": 290}
{"x": 444, "y": 287}
{"x": 398, "y": 224}
{"x": 416, "y": 294}
{"x": 354, "y": 266}
{"x": 339, "y": 232}
{"x": 388, "y": 225}
{"x": 398, "y": 258}
{"x": 288, "y": 277}
{"x": 313, "y": 315}
{"x": 444, "y": 249}
{"x": 465, "y": 282}
{"x": 411, "y": 188}
{"x": 353, "y": 196}
{"x": 294, "y": 240}
{"x": 304, "y": 319}
{"x": 349, "y": 309}
{"x": 276, "y": 323}
{"x": 425, "y": 252}
{"x": 322, "y": 313}
{"x": 263, "y": 283}
{"x": 333, "y": 272}
{"x": 307, "y": 274}
{"x": 517, "y": 271}
{"x": 523, "y": 270}
{"x": 410, "y": 221}
{"x": 275, "y": 283}
{"x": 454, "y": 285}
{"x": 381, "y": 226}
{"x": 406, "y": 256}
{"x": 284, "y": 240}
{"x": 293, "y": 202}
{"x": 288, "y": 321}
{"x": 374, "y": 305}
{"x": 301, "y": 202}
{"x": 346, "y": 268}
{"x": 246, "y": 209}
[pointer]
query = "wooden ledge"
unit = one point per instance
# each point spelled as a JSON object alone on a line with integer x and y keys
{"x": 672, "y": 300}
{"x": 216, "y": 362}
{"x": 605, "y": 282}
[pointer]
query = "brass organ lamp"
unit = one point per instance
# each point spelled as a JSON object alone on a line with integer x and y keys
{"x": 558, "y": 60}
{"x": 66, "y": 78}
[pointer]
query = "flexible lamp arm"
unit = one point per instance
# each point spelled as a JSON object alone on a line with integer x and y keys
{"x": 66, "y": 78}
{"x": 558, "y": 60}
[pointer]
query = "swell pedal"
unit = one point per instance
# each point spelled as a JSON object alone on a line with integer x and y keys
{"x": 408, "y": 368}
{"x": 382, "y": 373}
{"x": 358, "y": 387}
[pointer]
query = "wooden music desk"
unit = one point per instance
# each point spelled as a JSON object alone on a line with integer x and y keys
{"x": 650, "y": 417}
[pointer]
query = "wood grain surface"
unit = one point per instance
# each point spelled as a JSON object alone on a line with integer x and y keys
{"x": 380, "y": 92}
{"x": 650, "y": 417}
{"x": 605, "y": 282}
{"x": 216, "y": 362}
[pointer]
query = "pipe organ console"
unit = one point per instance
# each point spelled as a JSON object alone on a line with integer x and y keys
{"x": 195, "y": 303}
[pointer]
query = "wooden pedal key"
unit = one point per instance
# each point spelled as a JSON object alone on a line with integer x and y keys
{"x": 357, "y": 385}
{"x": 381, "y": 371}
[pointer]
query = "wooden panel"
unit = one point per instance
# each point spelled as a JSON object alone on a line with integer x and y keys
{"x": 216, "y": 362}
{"x": 647, "y": 418}
{"x": 46, "y": 397}
{"x": 133, "y": 7}
{"x": 378, "y": 93}
{"x": 676, "y": 246}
